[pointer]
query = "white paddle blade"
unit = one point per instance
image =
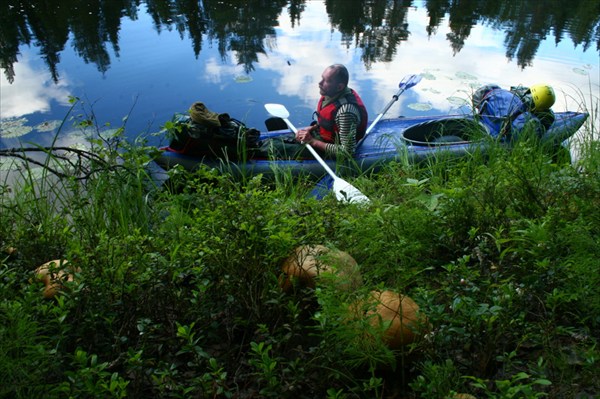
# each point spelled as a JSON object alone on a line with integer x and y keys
{"x": 346, "y": 192}
{"x": 280, "y": 111}
{"x": 277, "y": 110}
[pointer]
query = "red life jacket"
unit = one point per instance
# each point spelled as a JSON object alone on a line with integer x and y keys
{"x": 326, "y": 116}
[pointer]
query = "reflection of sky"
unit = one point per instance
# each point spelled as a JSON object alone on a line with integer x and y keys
{"x": 157, "y": 75}
{"x": 34, "y": 92}
{"x": 482, "y": 60}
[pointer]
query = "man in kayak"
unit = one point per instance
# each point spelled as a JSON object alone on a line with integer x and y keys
{"x": 341, "y": 116}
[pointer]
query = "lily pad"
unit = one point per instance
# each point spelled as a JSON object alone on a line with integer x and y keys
{"x": 243, "y": 79}
{"x": 48, "y": 126}
{"x": 11, "y": 128}
{"x": 458, "y": 101}
{"x": 465, "y": 75}
{"x": 420, "y": 106}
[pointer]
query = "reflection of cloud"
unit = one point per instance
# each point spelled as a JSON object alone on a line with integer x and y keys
{"x": 312, "y": 45}
{"x": 217, "y": 72}
{"x": 33, "y": 91}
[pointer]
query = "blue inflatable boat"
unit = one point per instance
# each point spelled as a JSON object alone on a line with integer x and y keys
{"x": 410, "y": 139}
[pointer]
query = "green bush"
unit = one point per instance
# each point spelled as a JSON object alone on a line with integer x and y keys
{"x": 177, "y": 291}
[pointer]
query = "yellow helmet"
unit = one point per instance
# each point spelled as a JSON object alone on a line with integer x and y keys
{"x": 543, "y": 97}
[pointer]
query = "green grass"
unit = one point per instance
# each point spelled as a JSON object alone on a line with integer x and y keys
{"x": 178, "y": 294}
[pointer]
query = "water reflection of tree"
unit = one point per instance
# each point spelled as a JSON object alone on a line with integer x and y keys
{"x": 185, "y": 16}
{"x": 376, "y": 27}
{"x": 242, "y": 26}
{"x": 525, "y": 23}
{"x": 295, "y": 10}
{"x": 48, "y": 23}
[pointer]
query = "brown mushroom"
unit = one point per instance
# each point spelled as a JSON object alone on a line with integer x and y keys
{"x": 397, "y": 314}
{"x": 53, "y": 274}
{"x": 308, "y": 262}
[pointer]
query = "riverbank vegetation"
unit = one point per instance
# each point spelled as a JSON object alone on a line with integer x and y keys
{"x": 174, "y": 290}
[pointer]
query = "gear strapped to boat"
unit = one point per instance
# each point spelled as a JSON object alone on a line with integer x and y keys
{"x": 509, "y": 112}
{"x": 204, "y": 133}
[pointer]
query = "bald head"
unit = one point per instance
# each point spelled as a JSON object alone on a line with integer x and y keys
{"x": 340, "y": 73}
{"x": 333, "y": 80}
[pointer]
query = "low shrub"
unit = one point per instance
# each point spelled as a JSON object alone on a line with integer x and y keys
{"x": 177, "y": 289}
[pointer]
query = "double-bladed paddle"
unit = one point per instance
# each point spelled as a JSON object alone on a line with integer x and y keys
{"x": 406, "y": 83}
{"x": 343, "y": 190}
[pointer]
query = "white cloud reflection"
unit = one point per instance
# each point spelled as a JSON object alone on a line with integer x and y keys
{"x": 291, "y": 68}
{"x": 32, "y": 91}
{"x": 312, "y": 45}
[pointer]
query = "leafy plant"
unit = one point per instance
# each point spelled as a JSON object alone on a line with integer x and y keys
{"x": 179, "y": 295}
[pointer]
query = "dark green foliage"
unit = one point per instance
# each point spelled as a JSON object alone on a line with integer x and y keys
{"x": 177, "y": 294}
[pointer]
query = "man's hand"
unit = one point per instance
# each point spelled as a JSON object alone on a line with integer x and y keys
{"x": 304, "y": 134}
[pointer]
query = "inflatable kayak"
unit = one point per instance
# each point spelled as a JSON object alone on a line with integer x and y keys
{"x": 411, "y": 139}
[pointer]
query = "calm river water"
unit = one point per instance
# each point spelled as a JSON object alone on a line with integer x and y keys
{"x": 148, "y": 59}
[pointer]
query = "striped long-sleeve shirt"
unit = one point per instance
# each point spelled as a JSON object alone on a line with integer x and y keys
{"x": 347, "y": 119}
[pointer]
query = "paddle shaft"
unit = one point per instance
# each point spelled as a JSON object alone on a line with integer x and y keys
{"x": 406, "y": 83}
{"x": 343, "y": 190}
{"x": 380, "y": 115}
{"x": 378, "y": 118}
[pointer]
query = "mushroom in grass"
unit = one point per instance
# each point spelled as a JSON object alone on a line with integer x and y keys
{"x": 54, "y": 274}
{"x": 397, "y": 316}
{"x": 308, "y": 263}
